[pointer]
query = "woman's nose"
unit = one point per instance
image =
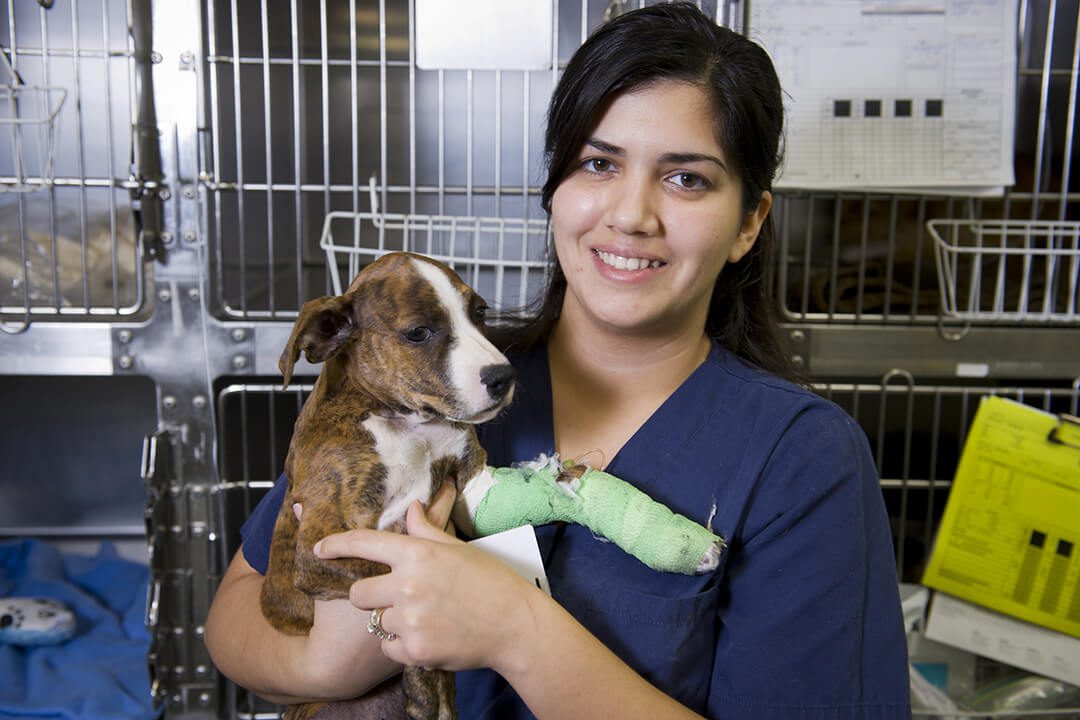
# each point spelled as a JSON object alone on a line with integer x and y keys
{"x": 632, "y": 206}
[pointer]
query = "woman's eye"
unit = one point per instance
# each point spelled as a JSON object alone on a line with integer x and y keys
{"x": 417, "y": 335}
{"x": 597, "y": 165}
{"x": 689, "y": 181}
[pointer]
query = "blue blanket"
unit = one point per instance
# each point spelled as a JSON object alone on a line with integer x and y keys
{"x": 101, "y": 672}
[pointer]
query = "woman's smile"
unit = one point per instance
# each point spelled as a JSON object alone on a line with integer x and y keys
{"x": 627, "y": 263}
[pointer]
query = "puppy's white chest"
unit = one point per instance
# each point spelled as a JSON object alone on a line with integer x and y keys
{"x": 407, "y": 448}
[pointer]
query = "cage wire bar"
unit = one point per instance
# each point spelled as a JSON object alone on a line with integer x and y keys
{"x": 213, "y": 165}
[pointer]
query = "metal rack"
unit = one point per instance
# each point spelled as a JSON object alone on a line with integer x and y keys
{"x": 211, "y": 172}
{"x": 28, "y": 121}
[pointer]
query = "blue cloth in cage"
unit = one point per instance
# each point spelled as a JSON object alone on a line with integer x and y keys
{"x": 101, "y": 672}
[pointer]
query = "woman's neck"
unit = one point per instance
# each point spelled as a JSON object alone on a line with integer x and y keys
{"x": 625, "y": 362}
{"x": 605, "y": 388}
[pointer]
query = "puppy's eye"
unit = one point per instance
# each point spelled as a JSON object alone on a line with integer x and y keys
{"x": 418, "y": 335}
{"x": 479, "y": 313}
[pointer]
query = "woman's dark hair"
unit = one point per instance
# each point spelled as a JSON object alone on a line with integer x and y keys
{"x": 677, "y": 42}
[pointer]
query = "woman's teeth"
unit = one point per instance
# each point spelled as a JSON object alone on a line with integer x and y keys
{"x": 623, "y": 263}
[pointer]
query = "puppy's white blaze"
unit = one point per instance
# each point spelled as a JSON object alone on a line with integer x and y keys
{"x": 471, "y": 351}
{"x": 407, "y": 447}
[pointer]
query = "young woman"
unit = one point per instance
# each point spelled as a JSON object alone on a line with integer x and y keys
{"x": 654, "y": 355}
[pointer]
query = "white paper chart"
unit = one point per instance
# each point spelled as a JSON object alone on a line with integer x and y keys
{"x": 884, "y": 94}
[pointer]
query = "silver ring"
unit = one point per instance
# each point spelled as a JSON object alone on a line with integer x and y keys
{"x": 375, "y": 627}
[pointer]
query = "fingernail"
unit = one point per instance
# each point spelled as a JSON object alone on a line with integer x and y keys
{"x": 318, "y": 548}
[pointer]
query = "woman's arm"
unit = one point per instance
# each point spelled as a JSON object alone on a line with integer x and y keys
{"x": 456, "y": 607}
{"x": 337, "y": 660}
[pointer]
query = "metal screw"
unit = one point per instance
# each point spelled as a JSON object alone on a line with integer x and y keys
{"x": 166, "y": 238}
{"x": 199, "y": 630}
{"x": 126, "y": 361}
{"x": 124, "y": 336}
{"x": 193, "y": 293}
{"x": 164, "y": 295}
{"x": 204, "y": 698}
{"x": 168, "y": 402}
{"x": 188, "y": 191}
{"x": 189, "y": 236}
{"x": 155, "y": 57}
{"x": 164, "y": 194}
{"x": 797, "y": 360}
{"x": 187, "y": 57}
{"x": 199, "y": 401}
{"x": 239, "y": 334}
{"x": 798, "y": 336}
{"x": 239, "y": 362}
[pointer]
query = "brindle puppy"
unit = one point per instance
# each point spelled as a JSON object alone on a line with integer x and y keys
{"x": 407, "y": 372}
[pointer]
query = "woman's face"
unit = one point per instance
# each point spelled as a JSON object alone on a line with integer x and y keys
{"x": 650, "y": 215}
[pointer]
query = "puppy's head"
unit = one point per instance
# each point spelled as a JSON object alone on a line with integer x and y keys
{"x": 410, "y": 333}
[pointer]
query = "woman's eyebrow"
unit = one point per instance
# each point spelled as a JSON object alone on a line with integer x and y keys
{"x": 667, "y": 158}
{"x": 604, "y": 147}
{"x": 691, "y": 157}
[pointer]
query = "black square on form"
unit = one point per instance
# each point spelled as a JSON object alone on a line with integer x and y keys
{"x": 872, "y": 108}
{"x": 934, "y": 108}
{"x": 902, "y": 108}
{"x": 841, "y": 108}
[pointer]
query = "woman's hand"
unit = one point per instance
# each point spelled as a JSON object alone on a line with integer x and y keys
{"x": 452, "y": 606}
{"x": 338, "y": 642}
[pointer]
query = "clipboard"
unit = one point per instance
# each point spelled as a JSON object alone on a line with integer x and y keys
{"x": 1010, "y": 536}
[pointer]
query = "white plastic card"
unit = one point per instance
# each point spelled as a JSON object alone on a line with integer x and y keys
{"x": 518, "y": 549}
{"x": 483, "y": 34}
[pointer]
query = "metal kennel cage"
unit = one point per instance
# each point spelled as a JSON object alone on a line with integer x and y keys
{"x": 209, "y": 156}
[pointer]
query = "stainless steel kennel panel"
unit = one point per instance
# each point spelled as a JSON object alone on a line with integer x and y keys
{"x": 71, "y": 169}
{"x": 293, "y": 92}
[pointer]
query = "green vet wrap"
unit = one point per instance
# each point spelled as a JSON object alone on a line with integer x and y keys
{"x": 608, "y": 506}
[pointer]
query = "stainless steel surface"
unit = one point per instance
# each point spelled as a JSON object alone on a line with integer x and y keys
{"x": 986, "y": 353}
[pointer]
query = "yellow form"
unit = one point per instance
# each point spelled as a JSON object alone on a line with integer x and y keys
{"x": 1010, "y": 536}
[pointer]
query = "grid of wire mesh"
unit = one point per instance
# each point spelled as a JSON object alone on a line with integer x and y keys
{"x": 68, "y": 247}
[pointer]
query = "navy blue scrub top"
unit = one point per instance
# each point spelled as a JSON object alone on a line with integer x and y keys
{"x": 802, "y": 618}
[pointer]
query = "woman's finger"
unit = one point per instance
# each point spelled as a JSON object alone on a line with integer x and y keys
{"x": 373, "y": 545}
{"x": 441, "y": 505}
{"x": 419, "y": 525}
{"x": 374, "y": 592}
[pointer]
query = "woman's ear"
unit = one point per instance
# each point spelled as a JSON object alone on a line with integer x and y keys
{"x": 751, "y": 226}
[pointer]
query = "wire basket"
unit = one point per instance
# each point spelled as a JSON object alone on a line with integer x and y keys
{"x": 503, "y": 259}
{"x": 1008, "y": 270}
{"x": 28, "y": 115}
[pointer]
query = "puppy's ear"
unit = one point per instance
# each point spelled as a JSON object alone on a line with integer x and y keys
{"x": 320, "y": 332}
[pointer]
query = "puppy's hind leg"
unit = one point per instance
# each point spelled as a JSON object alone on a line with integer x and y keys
{"x": 327, "y": 579}
{"x": 429, "y": 694}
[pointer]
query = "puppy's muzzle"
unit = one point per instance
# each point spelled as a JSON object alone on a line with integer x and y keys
{"x": 498, "y": 379}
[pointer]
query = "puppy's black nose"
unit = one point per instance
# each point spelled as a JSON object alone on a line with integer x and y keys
{"x": 498, "y": 379}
